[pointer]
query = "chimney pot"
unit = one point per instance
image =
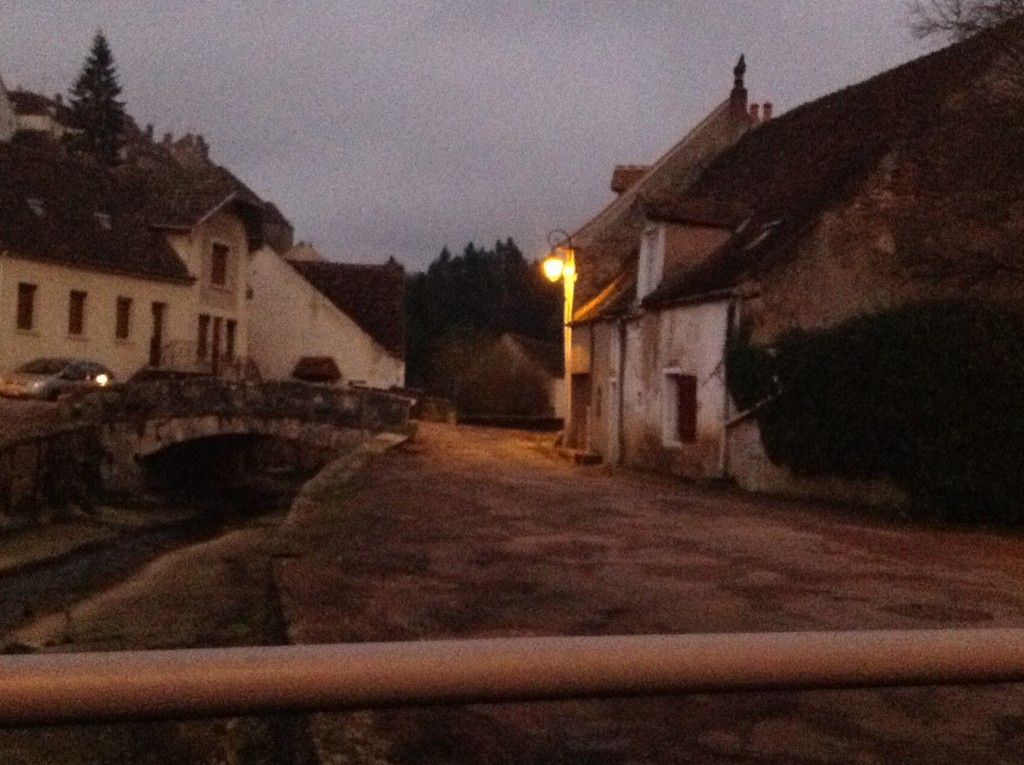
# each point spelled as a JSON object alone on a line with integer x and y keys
{"x": 168, "y": 138}
{"x": 754, "y": 112}
{"x": 767, "y": 110}
{"x": 149, "y": 131}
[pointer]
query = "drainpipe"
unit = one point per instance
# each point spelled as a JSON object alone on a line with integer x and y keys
{"x": 621, "y": 403}
{"x": 732, "y": 320}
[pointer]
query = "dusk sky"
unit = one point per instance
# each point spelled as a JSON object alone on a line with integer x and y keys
{"x": 396, "y": 128}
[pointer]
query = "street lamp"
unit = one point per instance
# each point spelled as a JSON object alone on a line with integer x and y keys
{"x": 561, "y": 261}
{"x": 561, "y": 264}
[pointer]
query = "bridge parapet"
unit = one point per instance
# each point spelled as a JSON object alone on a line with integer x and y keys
{"x": 104, "y": 434}
{"x": 357, "y": 408}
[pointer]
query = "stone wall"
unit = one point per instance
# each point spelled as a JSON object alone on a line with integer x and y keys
{"x": 48, "y": 473}
{"x": 97, "y": 449}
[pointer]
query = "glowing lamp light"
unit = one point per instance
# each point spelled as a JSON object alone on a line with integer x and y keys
{"x": 102, "y": 379}
{"x": 553, "y": 267}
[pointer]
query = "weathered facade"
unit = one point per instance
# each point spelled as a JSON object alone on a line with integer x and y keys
{"x": 899, "y": 189}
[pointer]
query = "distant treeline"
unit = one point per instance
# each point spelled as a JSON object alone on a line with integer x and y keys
{"x": 462, "y": 301}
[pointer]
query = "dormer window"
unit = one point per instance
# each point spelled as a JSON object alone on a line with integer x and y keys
{"x": 652, "y": 260}
{"x": 103, "y": 220}
{"x": 35, "y": 204}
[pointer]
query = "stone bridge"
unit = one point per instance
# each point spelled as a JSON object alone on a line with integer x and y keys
{"x": 110, "y": 440}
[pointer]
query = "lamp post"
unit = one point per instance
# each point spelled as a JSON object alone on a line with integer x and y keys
{"x": 561, "y": 264}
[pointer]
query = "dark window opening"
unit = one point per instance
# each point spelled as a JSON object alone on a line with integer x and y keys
{"x": 203, "y": 339}
{"x": 76, "y": 313}
{"x": 686, "y": 412}
{"x": 26, "y": 305}
{"x": 229, "y": 340}
{"x": 219, "y": 265}
{"x": 123, "y": 321}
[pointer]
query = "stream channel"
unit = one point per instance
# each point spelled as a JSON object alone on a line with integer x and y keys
{"x": 232, "y": 527}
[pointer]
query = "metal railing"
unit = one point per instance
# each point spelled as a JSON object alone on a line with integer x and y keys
{"x": 60, "y": 688}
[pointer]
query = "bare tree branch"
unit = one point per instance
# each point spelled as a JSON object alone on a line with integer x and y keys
{"x": 959, "y": 19}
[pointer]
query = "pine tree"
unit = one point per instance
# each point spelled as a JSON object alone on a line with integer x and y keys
{"x": 98, "y": 114}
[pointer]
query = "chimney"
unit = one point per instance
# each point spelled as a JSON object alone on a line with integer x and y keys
{"x": 738, "y": 96}
{"x": 755, "y": 117}
{"x": 149, "y": 131}
{"x": 59, "y": 99}
{"x": 168, "y": 138}
{"x": 625, "y": 177}
{"x": 767, "y": 110}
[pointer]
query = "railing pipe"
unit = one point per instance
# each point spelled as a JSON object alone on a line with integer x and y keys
{"x": 60, "y": 688}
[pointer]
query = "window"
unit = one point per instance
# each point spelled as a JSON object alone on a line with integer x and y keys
{"x": 219, "y": 265}
{"x": 36, "y": 206}
{"x": 123, "y": 319}
{"x": 76, "y": 313}
{"x": 103, "y": 220}
{"x": 203, "y": 340}
{"x": 229, "y": 349}
{"x": 218, "y": 323}
{"x": 26, "y": 305}
{"x": 679, "y": 425}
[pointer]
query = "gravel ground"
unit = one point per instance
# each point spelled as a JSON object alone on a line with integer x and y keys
{"x": 479, "y": 533}
{"x": 471, "y": 532}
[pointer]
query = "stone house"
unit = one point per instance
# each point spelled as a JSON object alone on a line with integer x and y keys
{"x": 898, "y": 189}
{"x": 606, "y": 254}
{"x": 350, "y": 313}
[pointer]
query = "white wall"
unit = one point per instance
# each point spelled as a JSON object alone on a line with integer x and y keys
{"x": 689, "y": 340}
{"x": 49, "y": 335}
{"x": 227, "y": 302}
{"x": 289, "y": 319}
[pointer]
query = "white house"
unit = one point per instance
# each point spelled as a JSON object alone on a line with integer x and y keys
{"x": 129, "y": 266}
{"x": 310, "y": 307}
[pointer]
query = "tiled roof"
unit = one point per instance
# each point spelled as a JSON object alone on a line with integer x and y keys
{"x": 932, "y": 113}
{"x": 607, "y": 241}
{"x": 56, "y": 208}
{"x": 615, "y": 299}
{"x": 694, "y": 210}
{"x": 758, "y": 243}
{"x": 29, "y": 103}
{"x": 372, "y": 296}
{"x": 625, "y": 177}
{"x": 817, "y": 153}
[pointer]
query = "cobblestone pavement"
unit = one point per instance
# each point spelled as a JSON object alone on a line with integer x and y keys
{"x": 479, "y": 533}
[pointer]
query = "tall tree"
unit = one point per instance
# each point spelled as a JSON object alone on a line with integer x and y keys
{"x": 463, "y": 300}
{"x": 99, "y": 115}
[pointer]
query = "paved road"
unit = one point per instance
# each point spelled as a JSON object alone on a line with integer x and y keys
{"x": 474, "y": 532}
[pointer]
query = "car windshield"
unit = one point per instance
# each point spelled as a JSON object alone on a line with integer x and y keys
{"x": 43, "y": 366}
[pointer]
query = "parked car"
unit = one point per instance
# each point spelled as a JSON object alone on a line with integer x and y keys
{"x": 51, "y": 378}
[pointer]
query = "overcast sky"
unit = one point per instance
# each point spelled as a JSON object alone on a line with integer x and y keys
{"x": 396, "y": 128}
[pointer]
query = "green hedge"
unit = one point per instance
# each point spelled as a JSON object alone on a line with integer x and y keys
{"x": 930, "y": 396}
